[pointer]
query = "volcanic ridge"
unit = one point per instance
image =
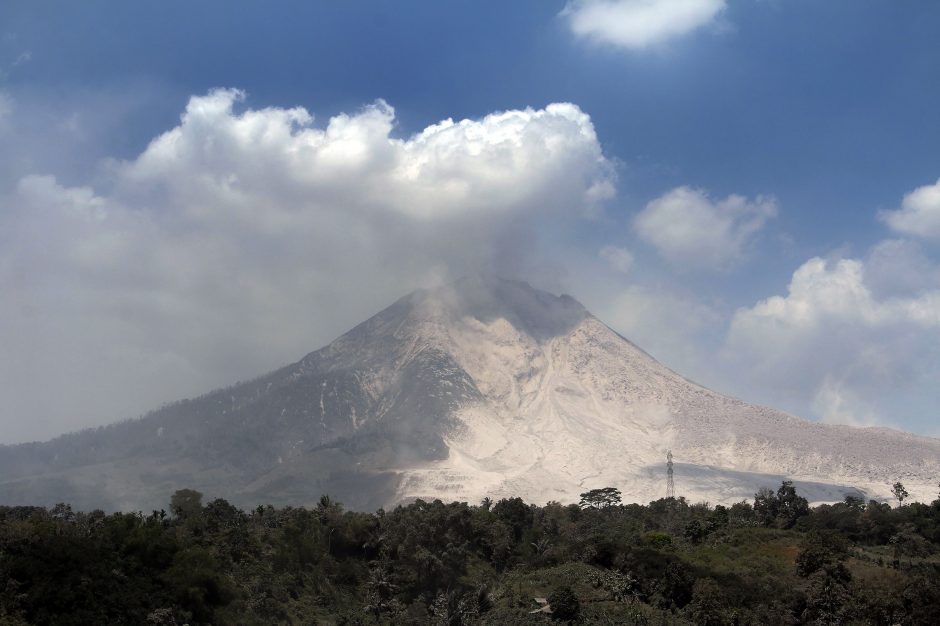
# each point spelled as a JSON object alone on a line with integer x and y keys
{"x": 482, "y": 387}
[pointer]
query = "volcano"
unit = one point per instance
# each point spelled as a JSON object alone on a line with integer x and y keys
{"x": 484, "y": 387}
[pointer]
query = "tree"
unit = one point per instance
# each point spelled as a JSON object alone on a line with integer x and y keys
{"x": 790, "y": 505}
{"x": 899, "y": 492}
{"x": 676, "y": 585}
{"x": 921, "y": 597}
{"x": 695, "y": 531}
{"x": 854, "y": 503}
{"x": 908, "y": 542}
{"x": 564, "y": 604}
{"x": 186, "y": 503}
{"x": 821, "y": 562}
{"x": 828, "y": 600}
{"x": 708, "y": 605}
{"x": 198, "y": 583}
{"x": 765, "y": 506}
{"x": 782, "y": 509}
{"x": 823, "y": 551}
{"x": 516, "y": 513}
{"x": 160, "y": 617}
{"x": 327, "y": 507}
{"x": 380, "y": 591}
{"x": 601, "y": 498}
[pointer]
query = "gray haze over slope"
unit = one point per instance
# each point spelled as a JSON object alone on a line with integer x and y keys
{"x": 484, "y": 387}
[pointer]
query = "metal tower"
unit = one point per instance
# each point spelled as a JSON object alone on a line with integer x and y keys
{"x": 670, "y": 485}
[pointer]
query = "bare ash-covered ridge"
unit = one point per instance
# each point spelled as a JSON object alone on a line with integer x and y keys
{"x": 483, "y": 387}
{"x": 581, "y": 407}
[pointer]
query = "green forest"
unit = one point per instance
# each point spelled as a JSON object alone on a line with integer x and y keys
{"x": 770, "y": 561}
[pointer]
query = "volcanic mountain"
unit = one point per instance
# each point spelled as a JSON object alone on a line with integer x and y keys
{"x": 484, "y": 387}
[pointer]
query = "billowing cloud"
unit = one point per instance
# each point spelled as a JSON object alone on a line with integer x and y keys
{"x": 638, "y": 24}
{"x": 237, "y": 241}
{"x": 836, "y": 403}
{"x": 833, "y": 338}
{"x": 619, "y": 259}
{"x": 505, "y": 163}
{"x": 691, "y": 230}
{"x": 900, "y": 267}
{"x": 919, "y": 214}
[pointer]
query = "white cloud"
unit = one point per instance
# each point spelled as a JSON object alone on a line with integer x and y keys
{"x": 237, "y": 241}
{"x": 853, "y": 352}
{"x": 834, "y": 403}
{"x": 689, "y": 229}
{"x": 505, "y": 163}
{"x": 854, "y": 340}
{"x": 619, "y": 259}
{"x": 22, "y": 58}
{"x": 919, "y": 214}
{"x": 638, "y": 24}
{"x": 898, "y": 267}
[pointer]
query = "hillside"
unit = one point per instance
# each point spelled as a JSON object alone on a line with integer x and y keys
{"x": 484, "y": 387}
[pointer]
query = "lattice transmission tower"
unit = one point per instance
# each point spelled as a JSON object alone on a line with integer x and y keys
{"x": 670, "y": 483}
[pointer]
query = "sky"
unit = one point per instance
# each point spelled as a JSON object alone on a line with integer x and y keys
{"x": 195, "y": 193}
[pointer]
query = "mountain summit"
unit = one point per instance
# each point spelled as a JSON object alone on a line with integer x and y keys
{"x": 483, "y": 387}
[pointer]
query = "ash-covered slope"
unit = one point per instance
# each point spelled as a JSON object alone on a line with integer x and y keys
{"x": 568, "y": 405}
{"x": 485, "y": 387}
{"x": 339, "y": 421}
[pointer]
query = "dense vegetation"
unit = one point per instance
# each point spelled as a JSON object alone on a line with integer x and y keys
{"x": 773, "y": 561}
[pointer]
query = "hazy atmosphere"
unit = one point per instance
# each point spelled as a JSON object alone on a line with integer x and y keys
{"x": 747, "y": 189}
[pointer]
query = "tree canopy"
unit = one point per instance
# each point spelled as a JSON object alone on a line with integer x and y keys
{"x": 770, "y": 561}
{"x": 601, "y": 498}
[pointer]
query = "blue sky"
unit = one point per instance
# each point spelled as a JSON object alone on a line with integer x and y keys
{"x": 820, "y": 118}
